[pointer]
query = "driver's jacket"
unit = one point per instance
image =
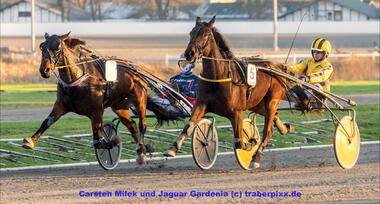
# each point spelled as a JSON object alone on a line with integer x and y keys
{"x": 187, "y": 86}
{"x": 316, "y": 72}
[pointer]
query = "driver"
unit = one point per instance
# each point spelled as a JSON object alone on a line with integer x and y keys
{"x": 186, "y": 84}
{"x": 315, "y": 70}
{"x": 186, "y": 80}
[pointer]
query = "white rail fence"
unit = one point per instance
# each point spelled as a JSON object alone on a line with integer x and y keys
{"x": 294, "y": 57}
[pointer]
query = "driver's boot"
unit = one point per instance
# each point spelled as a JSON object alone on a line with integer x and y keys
{"x": 172, "y": 152}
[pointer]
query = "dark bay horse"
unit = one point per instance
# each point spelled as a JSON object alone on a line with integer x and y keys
{"x": 229, "y": 98}
{"x": 83, "y": 89}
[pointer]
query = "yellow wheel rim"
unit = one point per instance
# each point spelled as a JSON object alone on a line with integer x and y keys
{"x": 244, "y": 157}
{"x": 346, "y": 151}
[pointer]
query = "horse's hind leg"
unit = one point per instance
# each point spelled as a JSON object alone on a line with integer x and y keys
{"x": 197, "y": 113}
{"x": 270, "y": 112}
{"x": 283, "y": 128}
{"x": 122, "y": 110}
{"x": 55, "y": 114}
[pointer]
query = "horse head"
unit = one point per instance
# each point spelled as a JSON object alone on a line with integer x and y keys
{"x": 200, "y": 37}
{"x": 53, "y": 49}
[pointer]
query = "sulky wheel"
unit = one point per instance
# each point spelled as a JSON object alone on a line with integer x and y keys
{"x": 204, "y": 144}
{"x": 347, "y": 142}
{"x": 244, "y": 157}
{"x": 109, "y": 158}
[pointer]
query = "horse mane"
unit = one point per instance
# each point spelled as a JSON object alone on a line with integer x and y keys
{"x": 74, "y": 43}
{"x": 222, "y": 44}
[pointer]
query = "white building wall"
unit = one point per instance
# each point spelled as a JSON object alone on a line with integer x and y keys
{"x": 324, "y": 11}
{"x": 354, "y": 16}
{"x": 362, "y": 17}
{"x": 10, "y": 15}
{"x": 346, "y": 14}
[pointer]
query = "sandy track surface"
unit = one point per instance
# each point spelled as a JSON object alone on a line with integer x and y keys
{"x": 42, "y": 113}
{"x": 312, "y": 174}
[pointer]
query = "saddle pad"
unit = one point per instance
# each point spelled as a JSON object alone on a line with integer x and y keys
{"x": 101, "y": 65}
{"x": 251, "y": 75}
{"x": 111, "y": 70}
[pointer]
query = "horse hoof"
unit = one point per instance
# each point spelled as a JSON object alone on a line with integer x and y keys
{"x": 239, "y": 145}
{"x": 116, "y": 140}
{"x": 150, "y": 148}
{"x": 171, "y": 152}
{"x": 28, "y": 143}
{"x": 141, "y": 159}
{"x": 256, "y": 165}
{"x": 290, "y": 127}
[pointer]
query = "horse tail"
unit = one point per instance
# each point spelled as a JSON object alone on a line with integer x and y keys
{"x": 164, "y": 111}
{"x": 292, "y": 92}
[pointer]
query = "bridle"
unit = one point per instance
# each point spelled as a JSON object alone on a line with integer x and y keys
{"x": 199, "y": 48}
{"x": 199, "y": 56}
{"x": 57, "y": 56}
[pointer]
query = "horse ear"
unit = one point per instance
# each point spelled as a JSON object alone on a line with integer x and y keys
{"x": 46, "y": 36}
{"x": 65, "y": 36}
{"x": 211, "y": 23}
{"x": 198, "y": 21}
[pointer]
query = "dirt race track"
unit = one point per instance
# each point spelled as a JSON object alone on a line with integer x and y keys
{"x": 311, "y": 174}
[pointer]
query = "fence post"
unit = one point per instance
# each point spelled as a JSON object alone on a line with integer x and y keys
{"x": 167, "y": 59}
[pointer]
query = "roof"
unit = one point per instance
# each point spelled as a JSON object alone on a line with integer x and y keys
{"x": 225, "y": 9}
{"x": 360, "y": 7}
{"x": 75, "y": 13}
{"x": 355, "y": 5}
{"x": 292, "y": 6}
{"x": 44, "y": 6}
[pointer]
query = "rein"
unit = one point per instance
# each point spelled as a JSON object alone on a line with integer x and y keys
{"x": 225, "y": 79}
{"x": 79, "y": 63}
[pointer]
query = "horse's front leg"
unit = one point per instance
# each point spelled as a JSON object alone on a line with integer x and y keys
{"x": 97, "y": 131}
{"x": 58, "y": 111}
{"x": 237, "y": 125}
{"x": 97, "y": 125}
{"x": 141, "y": 111}
{"x": 197, "y": 113}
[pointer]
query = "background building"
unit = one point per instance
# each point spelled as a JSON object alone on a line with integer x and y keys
{"x": 45, "y": 12}
{"x": 331, "y": 10}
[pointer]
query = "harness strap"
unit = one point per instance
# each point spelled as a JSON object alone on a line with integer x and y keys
{"x": 75, "y": 83}
{"x": 214, "y": 80}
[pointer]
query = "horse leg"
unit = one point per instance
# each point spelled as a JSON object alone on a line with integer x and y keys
{"x": 237, "y": 125}
{"x": 122, "y": 111}
{"x": 97, "y": 130}
{"x": 270, "y": 112}
{"x": 140, "y": 102}
{"x": 197, "y": 113}
{"x": 283, "y": 128}
{"x": 57, "y": 111}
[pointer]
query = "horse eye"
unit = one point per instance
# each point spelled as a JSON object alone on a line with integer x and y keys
{"x": 205, "y": 35}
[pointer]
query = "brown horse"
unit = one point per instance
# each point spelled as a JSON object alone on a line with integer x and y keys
{"x": 230, "y": 98}
{"x": 83, "y": 89}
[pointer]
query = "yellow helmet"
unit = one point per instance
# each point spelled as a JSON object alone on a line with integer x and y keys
{"x": 321, "y": 45}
